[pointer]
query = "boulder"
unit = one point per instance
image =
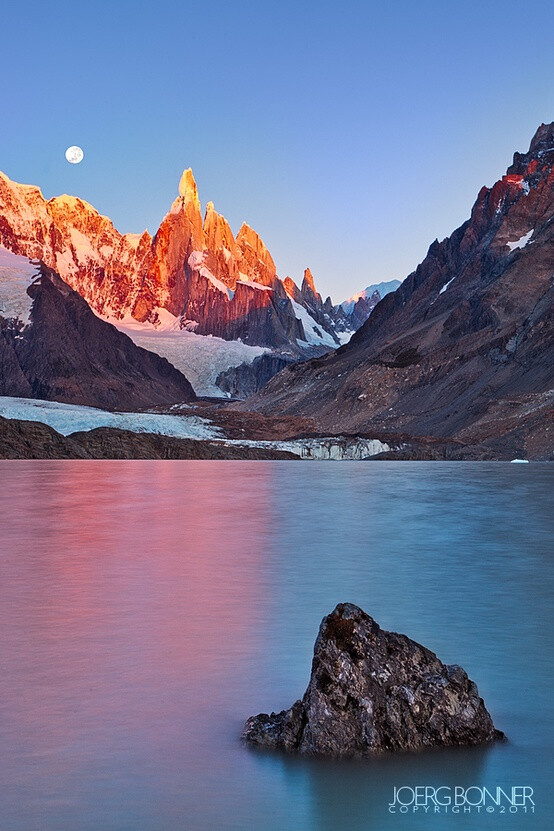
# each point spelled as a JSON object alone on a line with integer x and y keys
{"x": 372, "y": 691}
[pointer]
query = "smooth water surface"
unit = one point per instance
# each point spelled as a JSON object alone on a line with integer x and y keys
{"x": 148, "y": 608}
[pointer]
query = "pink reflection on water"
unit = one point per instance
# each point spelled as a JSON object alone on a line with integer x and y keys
{"x": 123, "y": 608}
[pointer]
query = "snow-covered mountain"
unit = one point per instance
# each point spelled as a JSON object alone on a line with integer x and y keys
{"x": 193, "y": 268}
{"x": 368, "y": 293}
{"x": 351, "y": 314}
{"x": 193, "y": 276}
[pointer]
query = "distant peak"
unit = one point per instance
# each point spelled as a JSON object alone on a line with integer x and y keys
{"x": 290, "y": 286}
{"x": 187, "y": 186}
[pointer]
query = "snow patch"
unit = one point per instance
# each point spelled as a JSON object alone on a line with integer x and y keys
{"x": 310, "y": 327}
{"x": 447, "y": 284}
{"x": 133, "y": 239}
{"x": 252, "y": 284}
{"x": 16, "y": 275}
{"x": 65, "y": 264}
{"x": 382, "y": 288}
{"x": 344, "y": 337}
{"x": 70, "y": 418}
{"x": 522, "y": 241}
{"x": 196, "y": 261}
{"x": 201, "y": 358}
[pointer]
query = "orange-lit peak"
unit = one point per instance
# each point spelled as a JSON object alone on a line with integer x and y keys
{"x": 248, "y": 235}
{"x": 309, "y": 280}
{"x": 291, "y": 288}
{"x": 187, "y": 186}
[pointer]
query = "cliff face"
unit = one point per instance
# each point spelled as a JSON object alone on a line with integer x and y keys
{"x": 64, "y": 352}
{"x": 464, "y": 348}
{"x": 193, "y": 268}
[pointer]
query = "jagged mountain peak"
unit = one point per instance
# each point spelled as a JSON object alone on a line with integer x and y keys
{"x": 248, "y": 234}
{"x": 194, "y": 268}
{"x": 187, "y": 187}
{"x": 308, "y": 283}
{"x": 256, "y": 256}
{"x": 543, "y": 138}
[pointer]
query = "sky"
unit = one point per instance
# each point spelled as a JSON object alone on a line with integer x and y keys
{"x": 349, "y": 135}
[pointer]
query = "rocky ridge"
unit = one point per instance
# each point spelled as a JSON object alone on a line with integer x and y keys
{"x": 464, "y": 349}
{"x": 34, "y": 440}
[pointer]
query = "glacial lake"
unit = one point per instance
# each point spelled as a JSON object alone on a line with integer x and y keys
{"x": 148, "y": 608}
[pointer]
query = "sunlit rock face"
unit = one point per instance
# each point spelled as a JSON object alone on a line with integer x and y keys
{"x": 372, "y": 691}
{"x": 80, "y": 244}
{"x": 194, "y": 268}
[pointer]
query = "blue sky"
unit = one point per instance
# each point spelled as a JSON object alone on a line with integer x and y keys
{"x": 349, "y": 136}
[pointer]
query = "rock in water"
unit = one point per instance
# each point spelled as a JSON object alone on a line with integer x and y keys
{"x": 372, "y": 691}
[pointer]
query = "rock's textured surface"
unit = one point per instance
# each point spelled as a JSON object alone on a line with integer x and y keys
{"x": 372, "y": 691}
{"x": 109, "y": 443}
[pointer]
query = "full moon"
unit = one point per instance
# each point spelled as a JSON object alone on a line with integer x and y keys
{"x": 74, "y": 154}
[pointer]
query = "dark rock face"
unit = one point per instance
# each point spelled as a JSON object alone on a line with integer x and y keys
{"x": 373, "y": 691}
{"x": 33, "y": 440}
{"x": 248, "y": 378}
{"x": 68, "y": 354}
{"x": 110, "y": 443}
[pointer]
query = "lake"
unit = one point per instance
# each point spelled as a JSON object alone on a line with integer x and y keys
{"x": 149, "y": 608}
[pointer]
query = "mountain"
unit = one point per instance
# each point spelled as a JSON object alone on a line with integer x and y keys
{"x": 52, "y": 346}
{"x": 193, "y": 269}
{"x": 464, "y": 348}
{"x": 193, "y": 277}
{"x": 358, "y": 308}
